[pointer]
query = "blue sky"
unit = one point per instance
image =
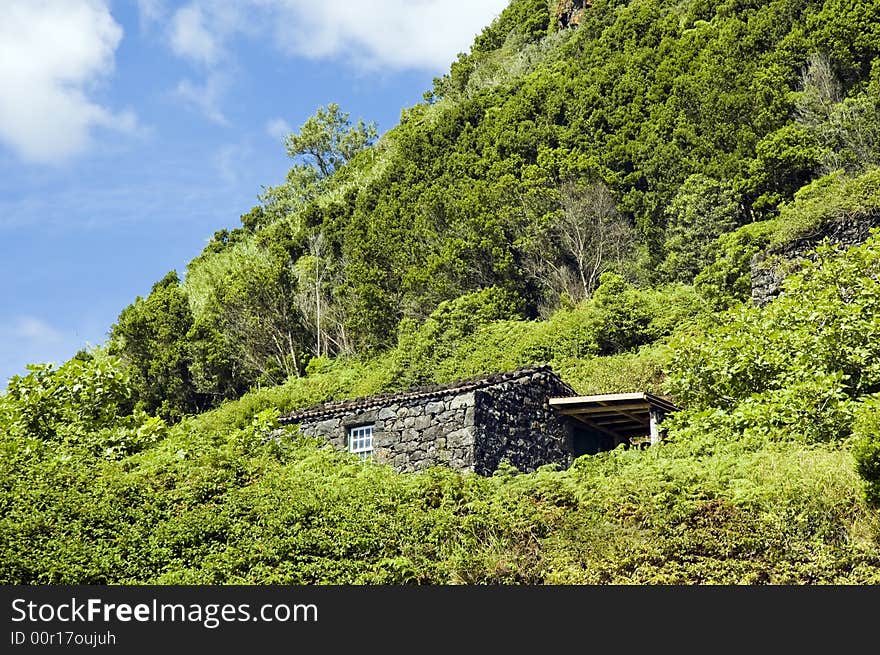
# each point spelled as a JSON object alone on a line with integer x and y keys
{"x": 131, "y": 130}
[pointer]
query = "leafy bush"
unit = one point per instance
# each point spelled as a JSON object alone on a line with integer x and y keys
{"x": 421, "y": 350}
{"x": 234, "y": 508}
{"x": 794, "y": 368}
{"x": 866, "y": 430}
{"x": 832, "y": 197}
{"x": 727, "y": 280}
{"x": 86, "y": 401}
{"x": 150, "y": 336}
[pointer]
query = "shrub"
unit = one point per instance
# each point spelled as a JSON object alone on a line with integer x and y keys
{"x": 866, "y": 429}
{"x": 793, "y": 368}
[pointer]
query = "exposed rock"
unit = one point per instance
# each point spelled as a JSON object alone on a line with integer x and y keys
{"x": 769, "y": 268}
{"x": 569, "y": 12}
{"x": 435, "y": 408}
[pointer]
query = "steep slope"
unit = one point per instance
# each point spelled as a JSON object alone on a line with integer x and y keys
{"x": 587, "y": 187}
{"x": 627, "y": 142}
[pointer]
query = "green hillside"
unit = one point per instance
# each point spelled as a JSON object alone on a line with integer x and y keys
{"x": 588, "y": 197}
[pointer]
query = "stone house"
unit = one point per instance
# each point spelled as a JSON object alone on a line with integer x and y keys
{"x": 528, "y": 417}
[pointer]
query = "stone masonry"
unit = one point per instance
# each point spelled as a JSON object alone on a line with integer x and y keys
{"x": 471, "y": 425}
{"x": 770, "y": 268}
{"x": 515, "y": 422}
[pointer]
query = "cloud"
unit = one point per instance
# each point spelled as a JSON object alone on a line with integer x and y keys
{"x": 397, "y": 34}
{"x": 28, "y": 328}
{"x": 370, "y": 34}
{"x": 278, "y": 128}
{"x": 198, "y": 33}
{"x": 52, "y": 53}
{"x": 150, "y": 11}
{"x": 228, "y": 161}
{"x": 206, "y": 98}
{"x": 190, "y": 37}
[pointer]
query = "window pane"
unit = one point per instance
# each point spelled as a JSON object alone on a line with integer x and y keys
{"x": 360, "y": 440}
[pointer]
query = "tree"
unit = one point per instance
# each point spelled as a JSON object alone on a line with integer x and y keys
{"x": 327, "y": 140}
{"x": 820, "y": 92}
{"x": 303, "y": 184}
{"x": 247, "y": 295}
{"x": 325, "y": 143}
{"x": 622, "y": 316}
{"x": 150, "y": 335}
{"x": 588, "y": 237}
{"x": 702, "y": 210}
{"x": 784, "y": 161}
{"x": 315, "y": 274}
{"x": 848, "y": 128}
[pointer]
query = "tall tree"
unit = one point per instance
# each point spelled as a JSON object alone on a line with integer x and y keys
{"x": 588, "y": 238}
{"x": 328, "y": 140}
{"x": 325, "y": 143}
{"x": 151, "y": 337}
{"x": 701, "y": 211}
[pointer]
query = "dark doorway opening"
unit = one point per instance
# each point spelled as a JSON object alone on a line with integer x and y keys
{"x": 589, "y": 442}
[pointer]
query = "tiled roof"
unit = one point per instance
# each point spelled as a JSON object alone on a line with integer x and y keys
{"x": 428, "y": 393}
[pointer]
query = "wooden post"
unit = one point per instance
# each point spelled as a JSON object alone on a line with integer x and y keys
{"x": 655, "y": 430}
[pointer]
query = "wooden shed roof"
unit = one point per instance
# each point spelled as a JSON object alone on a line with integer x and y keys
{"x": 617, "y": 414}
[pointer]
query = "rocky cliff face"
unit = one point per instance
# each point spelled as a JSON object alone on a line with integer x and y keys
{"x": 568, "y": 12}
{"x": 771, "y": 267}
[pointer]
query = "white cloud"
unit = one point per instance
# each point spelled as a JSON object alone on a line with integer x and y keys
{"x": 190, "y": 37}
{"x": 371, "y": 34}
{"x": 230, "y": 160}
{"x": 51, "y": 55}
{"x": 278, "y": 128}
{"x": 28, "y": 328}
{"x": 198, "y": 33}
{"x": 206, "y": 98}
{"x": 150, "y": 11}
{"x": 397, "y": 34}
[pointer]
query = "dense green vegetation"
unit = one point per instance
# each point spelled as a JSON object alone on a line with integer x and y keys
{"x": 752, "y": 487}
{"x": 543, "y": 159}
{"x": 587, "y": 198}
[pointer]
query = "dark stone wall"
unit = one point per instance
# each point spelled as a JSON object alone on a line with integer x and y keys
{"x": 514, "y": 422}
{"x": 770, "y": 268}
{"x": 410, "y": 434}
{"x": 471, "y": 428}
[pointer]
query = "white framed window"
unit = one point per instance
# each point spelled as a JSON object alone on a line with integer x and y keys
{"x": 360, "y": 441}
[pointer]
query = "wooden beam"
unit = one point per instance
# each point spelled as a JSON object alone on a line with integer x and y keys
{"x": 661, "y": 403}
{"x": 647, "y": 398}
{"x": 628, "y": 415}
{"x": 594, "y": 408}
{"x": 592, "y": 417}
{"x": 571, "y": 400}
{"x": 614, "y": 422}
